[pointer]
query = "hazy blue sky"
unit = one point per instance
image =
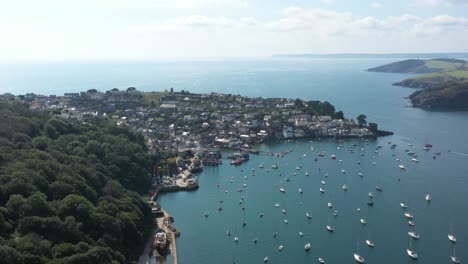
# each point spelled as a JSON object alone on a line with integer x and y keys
{"x": 152, "y": 29}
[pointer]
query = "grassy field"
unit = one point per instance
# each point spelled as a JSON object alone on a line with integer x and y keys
{"x": 444, "y": 65}
{"x": 458, "y": 74}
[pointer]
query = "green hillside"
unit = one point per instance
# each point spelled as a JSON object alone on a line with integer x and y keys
{"x": 436, "y": 79}
{"x": 68, "y": 192}
{"x": 421, "y": 66}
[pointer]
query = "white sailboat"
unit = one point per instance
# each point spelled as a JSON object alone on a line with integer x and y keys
{"x": 358, "y": 257}
{"x": 408, "y": 215}
{"x": 412, "y": 254}
{"x": 307, "y": 246}
{"x": 454, "y": 258}
{"x": 414, "y": 235}
{"x": 452, "y": 238}
{"x": 427, "y": 197}
{"x": 322, "y": 190}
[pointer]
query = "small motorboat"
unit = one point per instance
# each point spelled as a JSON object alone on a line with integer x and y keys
{"x": 275, "y": 235}
{"x": 261, "y": 215}
{"x": 402, "y": 167}
{"x": 329, "y": 228}
{"x": 300, "y": 190}
{"x": 286, "y": 221}
{"x": 411, "y": 223}
{"x": 403, "y": 205}
{"x": 280, "y": 247}
{"x": 322, "y": 190}
{"x": 360, "y": 174}
{"x": 283, "y": 211}
{"x": 206, "y": 214}
{"x": 277, "y": 205}
{"x": 335, "y": 213}
{"x": 414, "y": 235}
{"x": 307, "y": 246}
{"x": 412, "y": 254}
{"x": 265, "y": 259}
{"x": 321, "y": 260}
{"x": 415, "y": 160}
{"x": 308, "y": 215}
{"x": 282, "y": 190}
{"x": 345, "y": 187}
{"x": 343, "y": 171}
{"x": 452, "y": 238}
{"x": 370, "y": 243}
{"x": 306, "y": 174}
{"x": 330, "y": 205}
{"x": 236, "y": 239}
{"x": 322, "y": 182}
{"x": 371, "y": 195}
{"x": 301, "y": 234}
{"x": 408, "y": 215}
{"x": 378, "y": 188}
{"x": 228, "y": 233}
{"x": 363, "y": 221}
{"x": 358, "y": 258}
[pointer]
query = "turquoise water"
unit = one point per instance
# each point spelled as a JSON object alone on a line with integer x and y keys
{"x": 346, "y": 85}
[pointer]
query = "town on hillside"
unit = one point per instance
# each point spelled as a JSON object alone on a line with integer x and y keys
{"x": 202, "y": 124}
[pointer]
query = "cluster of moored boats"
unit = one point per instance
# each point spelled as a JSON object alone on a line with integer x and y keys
{"x": 413, "y": 235}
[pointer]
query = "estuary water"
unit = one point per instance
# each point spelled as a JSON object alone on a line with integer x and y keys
{"x": 344, "y": 83}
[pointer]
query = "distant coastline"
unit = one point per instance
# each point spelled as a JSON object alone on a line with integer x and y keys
{"x": 375, "y": 55}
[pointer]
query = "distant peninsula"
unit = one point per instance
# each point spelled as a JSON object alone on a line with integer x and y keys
{"x": 444, "y": 82}
{"x": 374, "y": 55}
{"x": 420, "y": 66}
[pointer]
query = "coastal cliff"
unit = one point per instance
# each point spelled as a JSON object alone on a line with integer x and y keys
{"x": 444, "y": 86}
{"x": 447, "y": 96}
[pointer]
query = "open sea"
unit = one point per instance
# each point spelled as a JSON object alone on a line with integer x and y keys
{"x": 344, "y": 83}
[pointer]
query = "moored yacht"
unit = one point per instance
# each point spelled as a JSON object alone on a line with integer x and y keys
{"x": 370, "y": 243}
{"x": 412, "y": 254}
{"x": 358, "y": 258}
{"x": 330, "y": 228}
{"x": 414, "y": 235}
{"x": 452, "y": 238}
{"x": 307, "y": 246}
{"x": 427, "y": 197}
{"x": 408, "y": 215}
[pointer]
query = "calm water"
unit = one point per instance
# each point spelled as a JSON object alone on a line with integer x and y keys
{"x": 342, "y": 82}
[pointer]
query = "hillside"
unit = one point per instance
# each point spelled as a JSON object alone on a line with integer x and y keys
{"x": 420, "y": 66}
{"x": 435, "y": 79}
{"x": 67, "y": 190}
{"x": 448, "y": 96}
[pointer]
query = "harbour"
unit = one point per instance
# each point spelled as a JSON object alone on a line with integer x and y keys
{"x": 354, "y": 221}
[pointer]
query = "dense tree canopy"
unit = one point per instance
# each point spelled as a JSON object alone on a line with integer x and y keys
{"x": 69, "y": 192}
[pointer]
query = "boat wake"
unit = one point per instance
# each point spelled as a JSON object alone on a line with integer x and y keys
{"x": 460, "y": 153}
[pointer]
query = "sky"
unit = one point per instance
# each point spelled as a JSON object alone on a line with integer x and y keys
{"x": 61, "y": 30}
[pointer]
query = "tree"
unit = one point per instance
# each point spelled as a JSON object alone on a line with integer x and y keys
{"x": 9, "y": 255}
{"x": 361, "y": 119}
{"x": 339, "y": 115}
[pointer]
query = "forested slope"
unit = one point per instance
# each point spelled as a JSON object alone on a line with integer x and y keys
{"x": 68, "y": 192}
